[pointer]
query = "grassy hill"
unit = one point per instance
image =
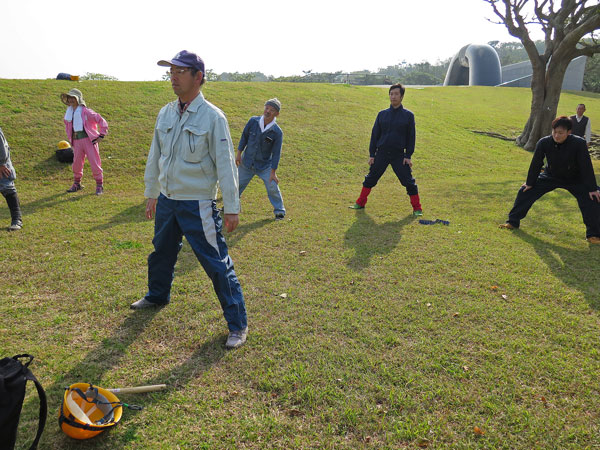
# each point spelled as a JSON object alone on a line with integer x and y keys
{"x": 391, "y": 334}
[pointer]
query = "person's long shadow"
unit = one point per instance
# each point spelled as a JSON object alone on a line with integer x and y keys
{"x": 369, "y": 238}
{"x": 98, "y": 361}
{"x": 233, "y": 238}
{"x": 187, "y": 261}
{"x": 575, "y": 268}
{"x": 133, "y": 214}
{"x": 107, "y": 355}
{"x": 49, "y": 165}
{"x": 51, "y": 201}
{"x": 176, "y": 379}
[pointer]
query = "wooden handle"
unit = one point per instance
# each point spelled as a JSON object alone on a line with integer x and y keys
{"x": 138, "y": 389}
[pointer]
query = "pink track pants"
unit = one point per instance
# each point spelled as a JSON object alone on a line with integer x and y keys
{"x": 81, "y": 149}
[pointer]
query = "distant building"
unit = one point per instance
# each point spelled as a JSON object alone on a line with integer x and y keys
{"x": 479, "y": 65}
{"x": 519, "y": 74}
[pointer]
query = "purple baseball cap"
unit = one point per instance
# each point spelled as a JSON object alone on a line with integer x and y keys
{"x": 184, "y": 59}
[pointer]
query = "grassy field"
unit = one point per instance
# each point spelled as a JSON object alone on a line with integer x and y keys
{"x": 391, "y": 334}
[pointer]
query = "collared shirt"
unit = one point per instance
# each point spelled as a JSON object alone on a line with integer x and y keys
{"x": 183, "y": 106}
{"x": 262, "y": 149}
{"x": 588, "y": 128}
{"x": 261, "y": 123}
{"x": 190, "y": 153}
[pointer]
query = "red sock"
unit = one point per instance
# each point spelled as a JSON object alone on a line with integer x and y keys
{"x": 362, "y": 200}
{"x": 415, "y": 202}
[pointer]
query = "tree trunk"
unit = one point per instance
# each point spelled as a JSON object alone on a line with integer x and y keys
{"x": 544, "y": 103}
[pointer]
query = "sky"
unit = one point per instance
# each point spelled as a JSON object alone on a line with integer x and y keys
{"x": 125, "y": 38}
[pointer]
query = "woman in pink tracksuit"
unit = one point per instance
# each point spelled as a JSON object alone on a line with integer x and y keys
{"x": 85, "y": 128}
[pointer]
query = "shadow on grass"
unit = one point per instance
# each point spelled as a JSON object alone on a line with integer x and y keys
{"x": 188, "y": 262}
{"x": 53, "y": 200}
{"x": 575, "y": 268}
{"x": 133, "y": 214}
{"x": 233, "y": 238}
{"x": 370, "y": 238}
{"x": 98, "y": 361}
{"x": 50, "y": 165}
{"x": 176, "y": 379}
{"x": 107, "y": 355}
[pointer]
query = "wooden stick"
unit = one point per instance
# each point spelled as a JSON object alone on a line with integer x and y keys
{"x": 138, "y": 389}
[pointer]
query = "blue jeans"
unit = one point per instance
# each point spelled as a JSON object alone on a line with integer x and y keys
{"x": 201, "y": 224}
{"x": 245, "y": 175}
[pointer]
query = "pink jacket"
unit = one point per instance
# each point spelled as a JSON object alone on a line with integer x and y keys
{"x": 93, "y": 124}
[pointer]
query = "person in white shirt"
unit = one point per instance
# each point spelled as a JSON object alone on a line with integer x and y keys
{"x": 582, "y": 125}
{"x": 259, "y": 152}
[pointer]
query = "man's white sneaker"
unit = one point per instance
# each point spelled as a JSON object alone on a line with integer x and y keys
{"x": 236, "y": 338}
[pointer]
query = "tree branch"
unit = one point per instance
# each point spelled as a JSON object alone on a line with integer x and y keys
{"x": 590, "y": 50}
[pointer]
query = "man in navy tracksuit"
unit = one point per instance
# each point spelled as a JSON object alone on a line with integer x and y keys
{"x": 568, "y": 167}
{"x": 392, "y": 142}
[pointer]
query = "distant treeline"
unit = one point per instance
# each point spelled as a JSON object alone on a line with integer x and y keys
{"x": 423, "y": 73}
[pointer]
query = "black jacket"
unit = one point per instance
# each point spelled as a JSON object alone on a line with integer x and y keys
{"x": 394, "y": 130}
{"x": 568, "y": 162}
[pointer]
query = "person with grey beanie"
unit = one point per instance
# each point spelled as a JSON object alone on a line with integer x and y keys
{"x": 259, "y": 152}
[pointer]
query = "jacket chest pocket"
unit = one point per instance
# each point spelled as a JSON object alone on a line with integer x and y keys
{"x": 164, "y": 134}
{"x": 195, "y": 144}
{"x": 267, "y": 145}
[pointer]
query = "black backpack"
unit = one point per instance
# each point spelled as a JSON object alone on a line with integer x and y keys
{"x": 64, "y": 155}
{"x": 13, "y": 380}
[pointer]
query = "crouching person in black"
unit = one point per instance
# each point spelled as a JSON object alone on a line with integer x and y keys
{"x": 568, "y": 167}
{"x": 7, "y": 185}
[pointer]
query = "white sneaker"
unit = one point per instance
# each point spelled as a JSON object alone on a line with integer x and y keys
{"x": 236, "y": 338}
{"x": 144, "y": 304}
{"x": 16, "y": 225}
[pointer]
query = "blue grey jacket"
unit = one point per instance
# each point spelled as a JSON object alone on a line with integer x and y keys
{"x": 5, "y": 161}
{"x": 191, "y": 154}
{"x": 260, "y": 150}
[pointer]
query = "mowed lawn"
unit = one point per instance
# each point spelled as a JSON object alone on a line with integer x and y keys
{"x": 390, "y": 335}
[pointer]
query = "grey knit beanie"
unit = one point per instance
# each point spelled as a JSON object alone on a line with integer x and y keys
{"x": 275, "y": 103}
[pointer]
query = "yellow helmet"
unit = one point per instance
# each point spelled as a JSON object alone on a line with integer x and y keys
{"x": 63, "y": 145}
{"x": 88, "y": 410}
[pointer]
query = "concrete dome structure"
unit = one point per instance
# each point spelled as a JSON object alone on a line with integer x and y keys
{"x": 474, "y": 65}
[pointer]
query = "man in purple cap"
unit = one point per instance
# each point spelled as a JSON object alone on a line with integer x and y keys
{"x": 191, "y": 151}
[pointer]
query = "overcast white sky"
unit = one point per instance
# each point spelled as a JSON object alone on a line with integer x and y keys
{"x": 125, "y": 38}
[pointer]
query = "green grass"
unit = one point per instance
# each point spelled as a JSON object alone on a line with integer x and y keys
{"x": 392, "y": 334}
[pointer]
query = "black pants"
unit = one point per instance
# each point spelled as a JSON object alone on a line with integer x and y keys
{"x": 12, "y": 200}
{"x": 382, "y": 160}
{"x": 590, "y": 209}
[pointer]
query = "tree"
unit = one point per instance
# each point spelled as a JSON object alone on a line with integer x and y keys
{"x": 513, "y": 52}
{"x": 421, "y": 78}
{"x": 98, "y": 76}
{"x": 210, "y": 75}
{"x": 564, "y": 28}
{"x": 591, "y": 78}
